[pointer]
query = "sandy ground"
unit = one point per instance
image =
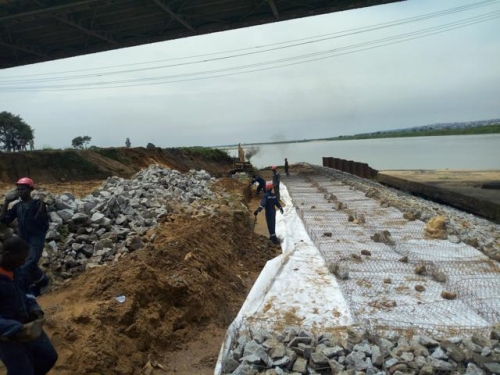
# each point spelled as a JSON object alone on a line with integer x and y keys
{"x": 446, "y": 175}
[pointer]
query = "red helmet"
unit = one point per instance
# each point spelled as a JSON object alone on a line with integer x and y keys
{"x": 273, "y": 167}
{"x": 26, "y": 181}
{"x": 269, "y": 185}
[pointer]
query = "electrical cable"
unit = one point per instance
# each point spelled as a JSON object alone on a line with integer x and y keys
{"x": 297, "y": 42}
{"x": 282, "y": 62}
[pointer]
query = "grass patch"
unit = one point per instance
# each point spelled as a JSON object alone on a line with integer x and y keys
{"x": 207, "y": 153}
{"x": 114, "y": 154}
{"x": 71, "y": 160}
{"x": 487, "y": 129}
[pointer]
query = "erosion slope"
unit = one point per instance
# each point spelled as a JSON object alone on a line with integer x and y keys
{"x": 83, "y": 165}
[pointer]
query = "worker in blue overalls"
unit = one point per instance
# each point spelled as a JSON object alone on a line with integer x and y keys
{"x": 260, "y": 181}
{"x": 269, "y": 202}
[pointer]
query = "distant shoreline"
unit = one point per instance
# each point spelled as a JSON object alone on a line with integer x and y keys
{"x": 478, "y": 130}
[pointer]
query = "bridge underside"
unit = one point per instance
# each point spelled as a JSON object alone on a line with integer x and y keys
{"x": 33, "y": 31}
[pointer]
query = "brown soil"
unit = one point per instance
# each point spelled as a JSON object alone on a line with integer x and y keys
{"x": 181, "y": 291}
{"x": 85, "y": 165}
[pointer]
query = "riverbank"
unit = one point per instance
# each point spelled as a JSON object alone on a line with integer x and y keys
{"x": 477, "y": 130}
{"x": 200, "y": 260}
{"x": 409, "y": 270}
{"x": 464, "y": 189}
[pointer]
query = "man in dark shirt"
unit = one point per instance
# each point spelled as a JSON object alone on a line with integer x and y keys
{"x": 269, "y": 202}
{"x": 260, "y": 181}
{"x": 33, "y": 222}
{"x": 276, "y": 182}
{"x": 25, "y": 349}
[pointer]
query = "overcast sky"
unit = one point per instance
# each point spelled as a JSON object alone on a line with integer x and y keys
{"x": 451, "y": 76}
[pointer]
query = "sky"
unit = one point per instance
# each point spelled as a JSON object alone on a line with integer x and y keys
{"x": 361, "y": 78}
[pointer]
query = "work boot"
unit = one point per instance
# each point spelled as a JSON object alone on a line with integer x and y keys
{"x": 274, "y": 239}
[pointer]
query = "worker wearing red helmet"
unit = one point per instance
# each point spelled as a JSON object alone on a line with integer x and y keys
{"x": 276, "y": 182}
{"x": 33, "y": 223}
{"x": 269, "y": 202}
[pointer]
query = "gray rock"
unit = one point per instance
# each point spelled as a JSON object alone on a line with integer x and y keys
{"x": 439, "y": 354}
{"x": 472, "y": 369}
{"x": 441, "y": 365}
{"x": 493, "y": 367}
{"x": 300, "y": 365}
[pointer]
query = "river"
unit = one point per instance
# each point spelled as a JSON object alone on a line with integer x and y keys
{"x": 480, "y": 152}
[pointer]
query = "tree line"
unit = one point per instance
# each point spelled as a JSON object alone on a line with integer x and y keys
{"x": 17, "y": 135}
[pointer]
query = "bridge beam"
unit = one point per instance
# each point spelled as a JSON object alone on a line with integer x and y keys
{"x": 274, "y": 9}
{"x": 174, "y": 15}
{"x": 46, "y": 10}
{"x": 78, "y": 25}
{"x": 23, "y": 47}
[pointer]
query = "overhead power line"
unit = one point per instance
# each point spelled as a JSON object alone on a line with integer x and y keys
{"x": 260, "y": 49}
{"x": 273, "y": 64}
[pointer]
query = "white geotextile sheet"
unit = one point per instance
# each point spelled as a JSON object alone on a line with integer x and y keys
{"x": 294, "y": 287}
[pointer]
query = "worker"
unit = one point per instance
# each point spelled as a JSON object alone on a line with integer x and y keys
{"x": 25, "y": 349}
{"x": 33, "y": 221}
{"x": 269, "y": 202}
{"x": 276, "y": 182}
{"x": 286, "y": 167}
{"x": 260, "y": 181}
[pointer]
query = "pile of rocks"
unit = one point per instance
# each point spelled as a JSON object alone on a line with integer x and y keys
{"x": 354, "y": 351}
{"x": 114, "y": 220}
{"x": 459, "y": 226}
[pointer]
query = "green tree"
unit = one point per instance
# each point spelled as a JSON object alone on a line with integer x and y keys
{"x": 127, "y": 143}
{"x": 81, "y": 142}
{"x": 13, "y": 128}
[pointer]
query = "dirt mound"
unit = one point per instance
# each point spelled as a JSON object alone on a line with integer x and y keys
{"x": 84, "y": 165}
{"x": 187, "y": 284}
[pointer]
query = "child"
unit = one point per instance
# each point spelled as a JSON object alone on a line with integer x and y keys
{"x": 25, "y": 349}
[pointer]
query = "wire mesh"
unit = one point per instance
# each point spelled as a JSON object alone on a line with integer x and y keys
{"x": 397, "y": 284}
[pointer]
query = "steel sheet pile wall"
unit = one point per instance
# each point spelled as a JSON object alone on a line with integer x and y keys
{"x": 396, "y": 283}
{"x": 350, "y": 166}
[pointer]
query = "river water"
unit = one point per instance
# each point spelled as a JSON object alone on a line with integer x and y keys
{"x": 445, "y": 152}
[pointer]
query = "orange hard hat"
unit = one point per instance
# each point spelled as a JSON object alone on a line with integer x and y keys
{"x": 26, "y": 181}
{"x": 269, "y": 185}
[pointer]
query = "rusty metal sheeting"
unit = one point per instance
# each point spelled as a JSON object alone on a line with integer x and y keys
{"x": 350, "y": 166}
